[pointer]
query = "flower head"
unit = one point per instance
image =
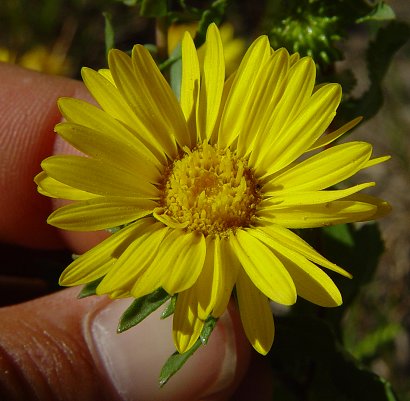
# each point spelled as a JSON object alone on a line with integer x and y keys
{"x": 207, "y": 189}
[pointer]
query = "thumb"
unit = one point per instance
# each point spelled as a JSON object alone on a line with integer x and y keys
{"x": 62, "y": 348}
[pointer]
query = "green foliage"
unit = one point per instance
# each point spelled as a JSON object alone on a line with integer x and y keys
{"x": 356, "y": 249}
{"x": 372, "y": 342}
{"x": 109, "y": 34}
{"x": 90, "y": 288}
{"x": 309, "y": 363}
{"x": 308, "y": 356}
{"x": 380, "y": 12}
{"x": 177, "y": 360}
{"x": 388, "y": 41}
{"x": 214, "y": 14}
{"x": 314, "y": 27}
{"x": 141, "y": 308}
{"x": 170, "y": 308}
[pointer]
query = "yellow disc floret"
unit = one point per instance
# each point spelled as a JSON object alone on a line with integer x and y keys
{"x": 209, "y": 190}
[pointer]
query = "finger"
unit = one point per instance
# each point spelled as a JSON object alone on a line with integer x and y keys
{"x": 58, "y": 347}
{"x": 28, "y": 114}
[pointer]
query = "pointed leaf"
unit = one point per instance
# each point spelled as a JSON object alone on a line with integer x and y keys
{"x": 89, "y": 289}
{"x": 177, "y": 360}
{"x": 141, "y": 308}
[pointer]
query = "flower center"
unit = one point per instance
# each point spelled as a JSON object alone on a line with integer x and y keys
{"x": 209, "y": 190}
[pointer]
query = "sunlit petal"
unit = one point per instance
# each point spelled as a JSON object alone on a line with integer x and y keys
{"x": 100, "y": 213}
{"x": 264, "y": 269}
{"x": 255, "y": 314}
{"x": 212, "y": 83}
{"x": 186, "y": 325}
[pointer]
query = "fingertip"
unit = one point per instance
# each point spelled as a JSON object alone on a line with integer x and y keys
{"x": 28, "y": 114}
{"x": 211, "y": 373}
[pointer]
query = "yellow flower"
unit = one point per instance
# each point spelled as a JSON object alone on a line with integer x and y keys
{"x": 207, "y": 189}
{"x": 39, "y": 58}
{"x": 233, "y": 48}
{"x": 7, "y": 56}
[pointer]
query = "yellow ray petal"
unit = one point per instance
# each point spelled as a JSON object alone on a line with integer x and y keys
{"x": 212, "y": 83}
{"x": 301, "y": 81}
{"x": 100, "y": 213}
{"x": 264, "y": 269}
{"x": 186, "y": 325}
{"x": 375, "y": 161}
{"x": 383, "y": 208}
{"x": 324, "y": 169}
{"x": 133, "y": 87}
{"x": 190, "y": 85}
{"x": 185, "y": 260}
{"x": 256, "y": 315}
{"x": 124, "y": 152}
{"x": 284, "y": 198}
{"x": 326, "y": 139}
{"x": 155, "y": 275}
{"x": 135, "y": 258}
{"x": 159, "y": 102}
{"x": 113, "y": 103}
{"x": 106, "y": 73}
{"x": 94, "y": 176}
{"x": 310, "y": 281}
{"x": 272, "y": 79}
{"x": 208, "y": 281}
{"x": 96, "y": 262}
{"x": 288, "y": 239}
{"x": 226, "y": 89}
{"x": 50, "y": 187}
{"x": 294, "y": 58}
{"x": 241, "y": 94}
{"x": 119, "y": 294}
{"x": 215, "y": 283}
{"x": 310, "y": 216}
{"x": 229, "y": 268}
{"x": 298, "y": 135}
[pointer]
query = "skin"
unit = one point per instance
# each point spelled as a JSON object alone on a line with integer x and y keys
{"x": 47, "y": 358}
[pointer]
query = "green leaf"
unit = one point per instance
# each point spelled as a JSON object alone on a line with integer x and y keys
{"x": 109, "y": 35}
{"x": 376, "y": 339}
{"x": 358, "y": 254}
{"x": 340, "y": 233}
{"x": 207, "y": 330}
{"x": 177, "y": 360}
{"x": 381, "y": 12}
{"x": 170, "y": 308}
{"x": 175, "y": 70}
{"x": 90, "y": 288}
{"x": 318, "y": 368}
{"x": 357, "y": 250}
{"x": 141, "y": 308}
{"x": 379, "y": 54}
{"x": 215, "y": 14}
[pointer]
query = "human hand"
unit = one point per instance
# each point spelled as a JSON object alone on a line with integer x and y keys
{"x": 61, "y": 348}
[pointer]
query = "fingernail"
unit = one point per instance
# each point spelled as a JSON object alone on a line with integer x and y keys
{"x": 132, "y": 360}
{"x": 228, "y": 365}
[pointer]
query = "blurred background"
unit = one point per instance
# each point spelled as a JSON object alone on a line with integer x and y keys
{"x": 61, "y": 36}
